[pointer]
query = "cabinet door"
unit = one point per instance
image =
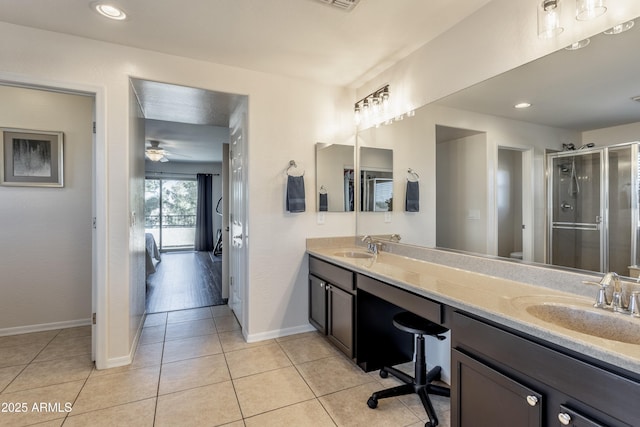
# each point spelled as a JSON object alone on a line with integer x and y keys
{"x": 318, "y": 303}
{"x": 486, "y": 398}
{"x": 340, "y": 319}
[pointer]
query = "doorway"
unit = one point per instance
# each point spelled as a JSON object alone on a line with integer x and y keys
{"x": 186, "y": 129}
{"x": 55, "y": 255}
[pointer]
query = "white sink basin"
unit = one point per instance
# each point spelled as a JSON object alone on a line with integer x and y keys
{"x": 354, "y": 254}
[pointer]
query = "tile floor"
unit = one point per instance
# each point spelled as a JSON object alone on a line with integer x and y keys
{"x": 193, "y": 368}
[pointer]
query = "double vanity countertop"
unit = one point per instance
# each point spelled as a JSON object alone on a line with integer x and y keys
{"x": 615, "y": 339}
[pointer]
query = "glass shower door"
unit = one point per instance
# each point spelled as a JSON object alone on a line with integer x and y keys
{"x": 576, "y": 232}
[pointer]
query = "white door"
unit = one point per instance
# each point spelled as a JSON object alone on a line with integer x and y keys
{"x": 237, "y": 223}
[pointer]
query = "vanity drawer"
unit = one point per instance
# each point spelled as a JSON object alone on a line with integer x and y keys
{"x": 430, "y": 310}
{"x": 331, "y": 273}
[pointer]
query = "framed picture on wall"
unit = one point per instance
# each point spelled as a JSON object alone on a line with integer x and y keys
{"x": 31, "y": 158}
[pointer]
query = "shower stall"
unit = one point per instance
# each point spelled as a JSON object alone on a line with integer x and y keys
{"x": 592, "y": 208}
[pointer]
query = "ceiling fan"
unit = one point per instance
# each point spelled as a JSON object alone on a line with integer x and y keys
{"x": 154, "y": 153}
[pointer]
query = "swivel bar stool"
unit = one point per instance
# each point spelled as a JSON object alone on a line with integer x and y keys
{"x": 421, "y": 383}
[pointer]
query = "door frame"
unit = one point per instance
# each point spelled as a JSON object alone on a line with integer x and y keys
{"x": 99, "y": 200}
{"x": 528, "y": 203}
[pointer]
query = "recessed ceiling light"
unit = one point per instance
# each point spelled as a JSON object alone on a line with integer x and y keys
{"x": 110, "y": 11}
{"x": 522, "y": 105}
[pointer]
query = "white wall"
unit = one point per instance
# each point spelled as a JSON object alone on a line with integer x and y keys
{"x": 286, "y": 117}
{"x": 45, "y": 236}
{"x": 612, "y": 135}
{"x": 461, "y": 187}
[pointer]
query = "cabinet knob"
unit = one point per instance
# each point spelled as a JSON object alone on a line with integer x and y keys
{"x": 532, "y": 400}
{"x": 564, "y": 418}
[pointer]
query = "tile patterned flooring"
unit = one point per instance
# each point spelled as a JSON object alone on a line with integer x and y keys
{"x": 193, "y": 368}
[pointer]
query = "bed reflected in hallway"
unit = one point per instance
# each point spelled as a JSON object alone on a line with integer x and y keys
{"x": 185, "y": 280}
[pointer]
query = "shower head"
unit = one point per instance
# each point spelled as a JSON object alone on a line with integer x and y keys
{"x": 589, "y": 145}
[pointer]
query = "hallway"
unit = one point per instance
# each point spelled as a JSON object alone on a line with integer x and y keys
{"x": 185, "y": 280}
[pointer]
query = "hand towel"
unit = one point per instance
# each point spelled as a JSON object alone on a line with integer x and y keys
{"x": 324, "y": 202}
{"x": 295, "y": 194}
{"x": 412, "y": 201}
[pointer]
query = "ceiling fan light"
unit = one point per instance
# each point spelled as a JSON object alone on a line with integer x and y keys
{"x": 154, "y": 156}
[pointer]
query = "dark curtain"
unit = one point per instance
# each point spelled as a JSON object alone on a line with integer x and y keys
{"x": 204, "y": 213}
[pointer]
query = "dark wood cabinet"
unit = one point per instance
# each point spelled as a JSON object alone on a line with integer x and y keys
{"x": 318, "y": 303}
{"x": 488, "y": 360}
{"x": 332, "y": 303}
{"x": 340, "y": 319}
{"x": 486, "y": 398}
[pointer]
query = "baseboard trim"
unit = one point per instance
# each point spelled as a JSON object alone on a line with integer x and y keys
{"x": 116, "y": 362}
{"x": 279, "y": 333}
{"x": 44, "y": 327}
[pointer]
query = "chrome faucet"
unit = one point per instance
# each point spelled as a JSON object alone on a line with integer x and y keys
{"x": 372, "y": 246}
{"x": 617, "y": 302}
{"x": 395, "y": 238}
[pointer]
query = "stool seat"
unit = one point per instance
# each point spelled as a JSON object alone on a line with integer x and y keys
{"x": 412, "y": 323}
{"x": 420, "y": 383}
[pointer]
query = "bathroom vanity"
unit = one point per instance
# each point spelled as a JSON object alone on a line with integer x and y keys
{"x": 508, "y": 367}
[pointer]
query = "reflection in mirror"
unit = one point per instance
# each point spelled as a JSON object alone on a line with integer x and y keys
{"x": 376, "y": 179}
{"x": 577, "y": 98}
{"x": 335, "y": 176}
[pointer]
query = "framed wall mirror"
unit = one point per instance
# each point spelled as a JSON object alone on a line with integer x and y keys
{"x": 335, "y": 177}
{"x": 376, "y": 179}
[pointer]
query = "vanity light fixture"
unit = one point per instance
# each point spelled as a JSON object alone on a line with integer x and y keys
{"x": 110, "y": 11}
{"x": 372, "y": 106}
{"x": 587, "y": 10}
{"x": 620, "y": 28}
{"x": 578, "y": 45}
{"x": 522, "y": 105}
{"x": 549, "y": 19}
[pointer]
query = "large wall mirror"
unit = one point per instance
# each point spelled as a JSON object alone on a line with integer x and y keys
{"x": 335, "y": 177}
{"x": 484, "y": 164}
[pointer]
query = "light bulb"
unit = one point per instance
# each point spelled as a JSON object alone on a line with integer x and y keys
{"x": 549, "y": 19}
{"x": 589, "y": 9}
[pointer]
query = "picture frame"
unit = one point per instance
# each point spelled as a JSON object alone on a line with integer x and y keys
{"x": 31, "y": 158}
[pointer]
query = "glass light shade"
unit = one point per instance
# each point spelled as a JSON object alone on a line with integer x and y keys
{"x": 154, "y": 156}
{"x": 549, "y": 19}
{"x": 589, "y": 9}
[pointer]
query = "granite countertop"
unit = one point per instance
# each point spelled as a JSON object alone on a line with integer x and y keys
{"x": 493, "y": 298}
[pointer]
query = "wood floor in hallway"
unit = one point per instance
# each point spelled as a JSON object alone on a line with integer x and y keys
{"x": 185, "y": 280}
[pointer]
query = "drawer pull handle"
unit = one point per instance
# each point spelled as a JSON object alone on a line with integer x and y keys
{"x": 564, "y": 418}
{"x": 532, "y": 400}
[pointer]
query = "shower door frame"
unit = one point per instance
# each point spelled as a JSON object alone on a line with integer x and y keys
{"x": 604, "y": 200}
{"x": 601, "y": 219}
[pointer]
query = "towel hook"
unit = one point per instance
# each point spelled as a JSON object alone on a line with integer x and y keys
{"x": 413, "y": 174}
{"x": 292, "y": 164}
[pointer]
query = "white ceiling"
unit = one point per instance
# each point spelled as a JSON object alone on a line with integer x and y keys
{"x": 297, "y": 38}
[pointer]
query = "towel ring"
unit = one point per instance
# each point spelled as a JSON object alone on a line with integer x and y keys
{"x": 292, "y": 164}
{"x": 413, "y": 175}
{"x": 323, "y": 190}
